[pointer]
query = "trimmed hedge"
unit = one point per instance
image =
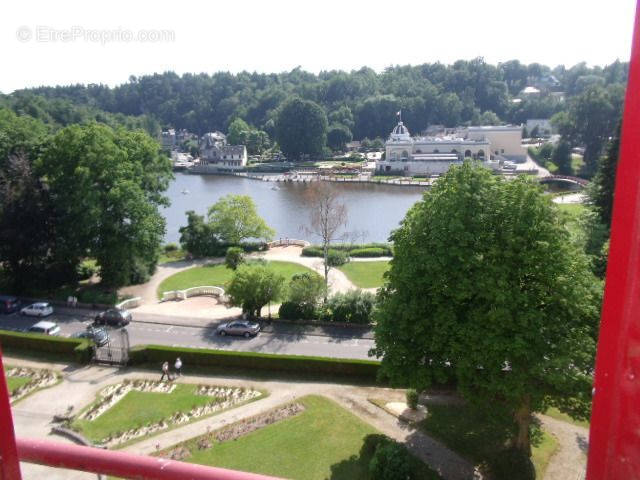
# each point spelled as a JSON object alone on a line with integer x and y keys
{"x": 365, "y": 369}
{"x": 73, "y": 349}
{"x": 364, "y": 250}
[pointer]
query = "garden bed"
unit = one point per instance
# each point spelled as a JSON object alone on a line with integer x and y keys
{"x": 23, "y": 381}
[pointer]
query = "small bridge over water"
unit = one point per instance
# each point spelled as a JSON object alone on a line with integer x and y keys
{"x": 565, "y": 179}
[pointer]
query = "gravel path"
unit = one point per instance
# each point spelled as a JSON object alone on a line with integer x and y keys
{"x": 570, "y": 461}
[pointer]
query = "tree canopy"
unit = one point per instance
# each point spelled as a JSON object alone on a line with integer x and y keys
{"x": 234, "y": 218}
{"x": 486, "y": 289}
{"x": 253, "y": 286}
{"x": 301, "y": 128}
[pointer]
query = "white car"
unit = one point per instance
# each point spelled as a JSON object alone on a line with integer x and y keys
{"x": 37, "y": 310}
{"x": 46, "y": 328}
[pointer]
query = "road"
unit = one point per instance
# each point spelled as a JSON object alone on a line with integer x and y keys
{"x": 280, "y": 339}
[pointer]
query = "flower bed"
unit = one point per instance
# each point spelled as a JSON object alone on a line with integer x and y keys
{"x": 39, "y": 378}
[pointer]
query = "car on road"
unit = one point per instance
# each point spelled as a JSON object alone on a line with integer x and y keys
{"x": 46, "y": 328}
{"x": 239, "y": 327}
{"x": 113, "y": 317}
{"x": 99, "y": 335}
{"x": 40, "y": 309}
{"x": 9, "y": 304}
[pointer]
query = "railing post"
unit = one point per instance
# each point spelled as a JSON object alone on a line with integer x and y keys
{"x": 9, "y": 463}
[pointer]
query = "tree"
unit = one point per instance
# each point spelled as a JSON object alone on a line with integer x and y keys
{"x": 561, "y": 158}
{"x": 486, "y": 290}
{"x": 535, "y": 132}
{"x": 234, "y": 218}
{"x": 338, "y": 136}
{"x": 198, "y": 237}
{"x": 306, "y": 289}
{"x": 238, "y": 132}
{"x": 301, "y": 128}
{"x": 107, "y": 186}
{"x": 234, "y": 257}
{"x": 603, "y": 184}
{"x": 328, "y": 217}
{"x": 253, "y": 286}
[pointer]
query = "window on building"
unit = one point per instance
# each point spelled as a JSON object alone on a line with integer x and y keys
{"x": 467, "y": 154}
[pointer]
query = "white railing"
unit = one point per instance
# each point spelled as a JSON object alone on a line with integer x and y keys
{"x": 129, "y": 303}
{"x": 192, "y": 292}
{"x": 287, "y": 242}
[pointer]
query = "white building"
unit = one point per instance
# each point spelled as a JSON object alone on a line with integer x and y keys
{"x": 216, "y": 155}
{"x": 505, "y": 141}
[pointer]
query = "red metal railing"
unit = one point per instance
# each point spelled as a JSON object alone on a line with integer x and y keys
{"x": 614, "y": 443}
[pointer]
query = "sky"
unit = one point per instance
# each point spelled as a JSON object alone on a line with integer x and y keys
{"x": 67, "y": 42}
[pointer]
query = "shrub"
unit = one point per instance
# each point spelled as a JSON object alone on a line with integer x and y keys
{"x": 354, "y": 306}
{"x": 87, "y": 269}
{"x": 335, "y": 258}
{"x": 391, "y": 461}
{"x": 72, "y": 349}
{"x": 367, "y": 252}
{"x": 306, "y": 288}
{"x": 234, "y": 257}
{"x": 297, "y": 311}
{"x": 312, "y": 252}
{"x": 412, "y": 398}
{"x": 171, "y": 247}
{"x": 316, "y": 250}
{"x": 512, "y": 464}
{"x": 156, "y": 354}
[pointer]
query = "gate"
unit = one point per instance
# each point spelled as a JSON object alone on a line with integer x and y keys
{"x": 116, "y": 351}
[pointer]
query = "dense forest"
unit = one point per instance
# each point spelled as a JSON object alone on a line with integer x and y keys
{"x": 362, "y": 100}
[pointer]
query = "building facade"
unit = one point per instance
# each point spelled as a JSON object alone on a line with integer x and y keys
{"x": 215, "y": 154}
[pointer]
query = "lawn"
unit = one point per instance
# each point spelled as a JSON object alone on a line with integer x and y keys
{"x": 558, "y": 415}
{"x": 16, "y": 382}
{"x": 323, "y": 442}
{"x": 137, "y": 409}
{"x": 481, "y": 436}
{"x": 219, "y": 275}
{"x": 365, "y": 274}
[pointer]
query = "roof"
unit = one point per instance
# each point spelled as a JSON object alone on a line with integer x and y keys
{"x": 44, "y": 324}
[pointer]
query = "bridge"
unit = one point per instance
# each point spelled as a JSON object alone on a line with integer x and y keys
{"x": 564, "y": 178}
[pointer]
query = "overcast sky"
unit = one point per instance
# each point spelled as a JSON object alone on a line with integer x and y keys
{"x": 63, "y": 42}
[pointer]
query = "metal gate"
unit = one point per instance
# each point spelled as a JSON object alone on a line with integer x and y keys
{"x": 116, "y": 351}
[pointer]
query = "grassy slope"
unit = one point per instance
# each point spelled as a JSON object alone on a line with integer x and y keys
{"x": 558, "y": 415}
{"x": 140, "y": 408}
{"x": 479, "y": 437}
{"x": 219, "y": 275}
{"x": 16, "y": 382}
{"x": 365, "y": 274}
{"x": 322, "y": 442}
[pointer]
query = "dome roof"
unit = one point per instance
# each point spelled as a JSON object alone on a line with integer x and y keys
{"x": 400, "y": 129}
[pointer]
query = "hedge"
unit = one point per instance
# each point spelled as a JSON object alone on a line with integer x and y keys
{"x": 73, "y": 349}
{"x": 363, "y": 250}
{"x": 157, "y": 354}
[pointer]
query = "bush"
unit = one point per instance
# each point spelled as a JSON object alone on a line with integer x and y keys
{"x": 354, "y": 306}
{"x": 234, "y": 257}
{"x": 390, "y": 461}
{"x": 72, "y": 349}
{"x": 297, "y": 311}
{"x": 412, "y": 399}
{"x": 368, "y": 252}
{"x": 316, "y": 250}
{"x": 512, "y": 464}
{"x": 87, "y": 269}
{"x": 156, "y": 354}
{"x": 171, "y": 247}
{"x": 335, "y": 258}
{"x": 306, "y": 288}
{"x": 312, "y": 252}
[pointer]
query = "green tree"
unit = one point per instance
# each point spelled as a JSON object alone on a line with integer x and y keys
{"x": 238, "y": 132}
{"x": 486, "y": 289}
{"x": 253, "y": 286}
{"x": 603, "y": 184}
{"x": 338, "y": 136}
{"x": 306, "y": 289}
{"x": 234, "y": 257}
{"x": 561, "y": 158}
{"x": 234, "y": 218}
{"x": 198, "y": 237}
{"x": 301, "y": 128}
{"x": 107, "y": 186}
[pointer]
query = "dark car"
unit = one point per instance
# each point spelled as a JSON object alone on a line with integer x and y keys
{"x": 239, "y": 327}
{"x": 9, "y": 304}
{"x": 113, "y": 317}
{"x": 99, "y": 335}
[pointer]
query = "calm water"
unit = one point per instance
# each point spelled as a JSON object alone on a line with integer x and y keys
{"x": 374, "y": 210}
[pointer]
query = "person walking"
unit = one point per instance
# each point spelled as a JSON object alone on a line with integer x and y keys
{"x": 178, "y": 366}
{"x": 165, "y": 371}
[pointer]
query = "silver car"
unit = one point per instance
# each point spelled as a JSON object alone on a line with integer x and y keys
{"x": 239, "y": 327}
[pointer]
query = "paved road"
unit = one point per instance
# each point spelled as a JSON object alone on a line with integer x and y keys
{"x": 145, "y": 329}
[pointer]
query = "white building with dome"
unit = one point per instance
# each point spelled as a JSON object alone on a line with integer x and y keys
{"x": 424, "y": 156}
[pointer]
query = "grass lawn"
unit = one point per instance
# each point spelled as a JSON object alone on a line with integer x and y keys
{"x": 137, "y": 409}
{"x": 480, "y": 436}
{"x": 365, "y": 274}
{"x": 323, "y": 442}
{"x": 16, "y": 382}
{"x": 558, "y": 415}
{"x": 219, "y": 275}
{"x": 171, "y": 256}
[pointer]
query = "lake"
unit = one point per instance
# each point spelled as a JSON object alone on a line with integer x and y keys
{"x": 373, "y": 210}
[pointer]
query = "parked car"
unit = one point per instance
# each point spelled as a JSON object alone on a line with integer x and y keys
{"x": 37, "y": 310}
{"x": 99, "y": 335}
{"x": 239, "y": 327}
{"x": 9, "y": 304}
{"x": 113, "y": 317}
{"x": 47, "y": 328}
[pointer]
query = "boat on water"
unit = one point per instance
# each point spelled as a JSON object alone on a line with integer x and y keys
{"x": 275, "y": 187}
{"x": 185, "y": 192}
